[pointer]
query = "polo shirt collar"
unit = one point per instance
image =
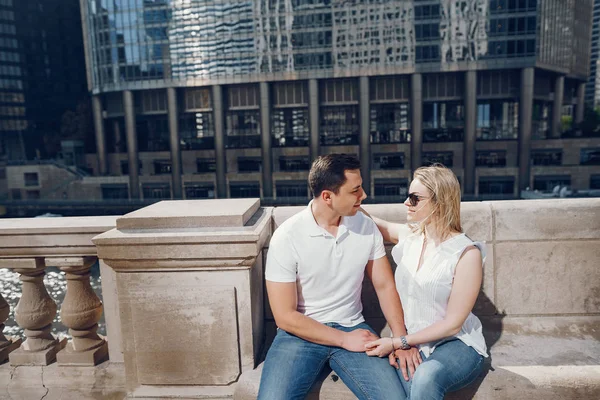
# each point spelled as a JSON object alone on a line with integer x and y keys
{"x": 314, "y": 230}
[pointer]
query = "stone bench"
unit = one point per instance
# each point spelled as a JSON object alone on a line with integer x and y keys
{"x": 539, "y": 302}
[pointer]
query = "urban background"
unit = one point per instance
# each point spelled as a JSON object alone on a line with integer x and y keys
{"x": 108, "y": 105}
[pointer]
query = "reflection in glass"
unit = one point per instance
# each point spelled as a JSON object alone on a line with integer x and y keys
{"x": 443, "y": 121}
{"x": 497, "y": 120}
{"x": 339, "y": 125}
{"x": 290, "y": 127}
{"x": 390, "y": 123}
{"x": 243, "y": 128}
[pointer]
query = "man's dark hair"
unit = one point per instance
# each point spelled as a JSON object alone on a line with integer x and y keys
{"x": 327, "y": 172}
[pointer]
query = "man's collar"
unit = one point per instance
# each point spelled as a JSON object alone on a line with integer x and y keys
{"x": 313, "y": 229}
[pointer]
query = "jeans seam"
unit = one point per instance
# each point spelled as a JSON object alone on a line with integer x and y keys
{"x": 317, "y": 374}
{"x": 364, "y": 392}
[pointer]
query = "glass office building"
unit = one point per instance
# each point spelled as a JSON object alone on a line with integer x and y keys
{"x": 228, "y": 98}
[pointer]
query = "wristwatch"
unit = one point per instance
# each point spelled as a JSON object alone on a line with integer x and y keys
{"x": 405, "y": 345}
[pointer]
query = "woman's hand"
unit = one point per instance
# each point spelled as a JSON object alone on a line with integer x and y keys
{"x": 380, "y": 347}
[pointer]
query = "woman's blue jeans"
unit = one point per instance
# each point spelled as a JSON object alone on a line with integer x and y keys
{"x": 452, "y": 366}
{"x": 293, "y": 365}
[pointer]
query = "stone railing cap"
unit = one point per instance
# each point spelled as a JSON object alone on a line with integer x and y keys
{"x": 191, "y": 214}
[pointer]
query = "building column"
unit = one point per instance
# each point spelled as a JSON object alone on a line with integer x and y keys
{"x": 365, "y": 137}
{"x": 100, "y": 136}
{"x": 559, "y": 89}
{"x": 579, "y": 112}
{"x": 313, "y": 117}
{"x": 132, "y": 148}
{"x": 525, "y": 111}
{"x": 176, "y": 181}
{"x": 416, "y": 122}
{"x": 217, "y": 91}
{"x": 470, "y": 132}
{"x": 265, "y": 128}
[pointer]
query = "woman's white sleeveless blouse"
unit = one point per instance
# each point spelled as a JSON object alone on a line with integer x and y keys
{"x": 425, "y": 293}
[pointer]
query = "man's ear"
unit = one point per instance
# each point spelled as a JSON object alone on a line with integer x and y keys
{"x": 326, "y": 196}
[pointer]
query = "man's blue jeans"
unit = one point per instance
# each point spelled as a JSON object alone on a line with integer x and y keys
{"x": 293, "y": 365}
{"x": 452, "y": 366}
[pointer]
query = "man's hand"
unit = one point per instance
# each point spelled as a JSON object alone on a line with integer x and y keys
{"x": 357, "y": 339}
{"x": 406, "y": 360}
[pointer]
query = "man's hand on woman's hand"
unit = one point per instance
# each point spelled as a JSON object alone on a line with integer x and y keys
{"x": 357, "y": 339}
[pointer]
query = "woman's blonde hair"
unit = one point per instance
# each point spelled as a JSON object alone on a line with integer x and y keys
{"x": 444, "y": 192}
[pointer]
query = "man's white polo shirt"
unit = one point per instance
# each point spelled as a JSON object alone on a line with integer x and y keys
{"x": 328, "y": 270}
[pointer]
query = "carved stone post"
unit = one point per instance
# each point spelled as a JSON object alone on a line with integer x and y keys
{"x": 80, "y": 312}
{"x": 6, "y": 344}
{"x": 34, "y": 313}
{"x": 189, "y": 280}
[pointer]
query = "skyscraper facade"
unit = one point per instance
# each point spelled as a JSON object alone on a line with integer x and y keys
{"x": 233, "y": 98}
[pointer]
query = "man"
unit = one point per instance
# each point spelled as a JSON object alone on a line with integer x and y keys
{"x": 314, "y": 273}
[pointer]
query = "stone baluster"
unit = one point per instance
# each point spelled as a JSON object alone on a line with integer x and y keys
{"x": 34, "y": 313}
{"x": 80, "y": 312}
{"x": 7, "y": 344}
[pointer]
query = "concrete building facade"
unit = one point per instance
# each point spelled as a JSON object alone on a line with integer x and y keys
{"x": 234, "y": 98}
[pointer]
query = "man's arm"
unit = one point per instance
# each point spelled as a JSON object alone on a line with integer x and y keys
{"x": 380, "y": 273}
{"x": 283, "y": 300}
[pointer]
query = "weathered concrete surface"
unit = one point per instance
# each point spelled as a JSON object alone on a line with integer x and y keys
{"x": 105, "y": 381}
{"x": 543, "y": 358}
{"x": 189, "y": 295}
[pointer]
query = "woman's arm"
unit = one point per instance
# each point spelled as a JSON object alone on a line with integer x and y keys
{"x": 391, "y": 232}
{"x": 465, "y": 288}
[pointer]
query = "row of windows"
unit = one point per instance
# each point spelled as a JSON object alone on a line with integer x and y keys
{"x": 7, "y": 15}
{"x": 500, "y": 185}
{"x": 8, "y": 42}
{"x": 10, "y": 70}
{"x": 8, "y": 29}
{"x": 9, "y": 56}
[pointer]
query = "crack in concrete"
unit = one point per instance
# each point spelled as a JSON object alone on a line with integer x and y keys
{"x": 44, "y": 386}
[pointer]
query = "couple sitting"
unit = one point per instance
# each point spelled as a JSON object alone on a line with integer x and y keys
{"x": 314, "y": 273}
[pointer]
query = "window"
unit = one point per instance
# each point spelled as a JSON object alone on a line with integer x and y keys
{"x": 200, "y": 191}
{"x": 31, "y": 179}
{"x": 442, "y": 157}
{"x": 243, "y": 128}
{"x": 546, "y": 157}
{"x": 156, "y": 190}
{"x": 497, "y": 120}
{"x": 114, "y": 192}
{"x": 197, "y": 131}
{"x": 339, "y": 125}
{"x": 548, "y": 183}
{"x": 249, "y": 164}
{"x": 443, "y": 121}
{"x": 497, "y": 185}
{"x": 390, "y": 123}
{"x": 244, "y": 189}
{"x": 388, "y": 161}
{"x": 292, "y": 164}
{"x": 297, "y": 189}
{"x": 32, "y": 194}
{"x": 16, "y": 194}
{"x": 491, "y": 159}
{"x": 595, "y": 182}
{"x": 391, "y": 188}
{"x": 590, "y": 157}
{"x": 290, "y": 127}
{"x": 125, "y": 167}
{"x": 162, "y": 167}
{"x": 206, "y": 165}
{"x": 152, "y": 132}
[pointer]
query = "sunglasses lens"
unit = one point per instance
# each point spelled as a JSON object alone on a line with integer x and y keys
{"x": 413, "y": 199}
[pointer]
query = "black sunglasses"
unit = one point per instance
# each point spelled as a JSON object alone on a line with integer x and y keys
{"x": 414, "y": 199}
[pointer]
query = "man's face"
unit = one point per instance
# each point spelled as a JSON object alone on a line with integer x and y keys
{"x": 348, "y": 199}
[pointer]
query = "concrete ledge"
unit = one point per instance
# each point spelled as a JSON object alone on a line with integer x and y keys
{"x": 530, "y": 358}
{"x": 53, "y": 382}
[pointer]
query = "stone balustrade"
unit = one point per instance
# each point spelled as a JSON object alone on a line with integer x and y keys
{"x": 187, "y": 316}
{"x": 28, "y": 246}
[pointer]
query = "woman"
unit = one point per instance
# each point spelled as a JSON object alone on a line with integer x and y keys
{"x": 438, "y": 276}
